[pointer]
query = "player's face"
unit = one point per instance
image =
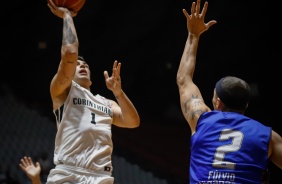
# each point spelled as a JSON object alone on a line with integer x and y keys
{"x": 82, "y": 72}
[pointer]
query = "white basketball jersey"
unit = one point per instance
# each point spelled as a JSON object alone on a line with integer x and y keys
{"x": 84, "y": 131}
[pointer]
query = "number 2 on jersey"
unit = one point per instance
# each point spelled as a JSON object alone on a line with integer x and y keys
{"x": 237, "y": 138}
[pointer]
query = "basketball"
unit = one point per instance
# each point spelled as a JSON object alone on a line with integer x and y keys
{"x": 72, "y": 5}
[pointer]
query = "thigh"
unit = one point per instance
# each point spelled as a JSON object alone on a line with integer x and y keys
{"x": 84, "y": 179}
{"x": 60, "y": 176}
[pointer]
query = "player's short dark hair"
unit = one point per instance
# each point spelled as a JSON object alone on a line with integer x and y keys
{"x": 233, "y": 92}
{"x": 81, "y": 58}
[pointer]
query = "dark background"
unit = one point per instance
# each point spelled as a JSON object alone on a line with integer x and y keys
{"x": 148, "y": 38}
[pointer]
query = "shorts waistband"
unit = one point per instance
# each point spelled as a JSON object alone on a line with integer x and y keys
{"x": 79, "y": 170}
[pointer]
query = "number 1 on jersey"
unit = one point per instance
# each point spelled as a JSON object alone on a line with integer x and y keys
{"x": 93, "y": 118}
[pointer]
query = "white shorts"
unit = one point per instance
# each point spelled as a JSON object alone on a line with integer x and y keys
{"x": 63, "y": 174}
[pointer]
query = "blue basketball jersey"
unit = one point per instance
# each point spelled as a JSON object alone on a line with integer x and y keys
{"x": 228, "y": 148}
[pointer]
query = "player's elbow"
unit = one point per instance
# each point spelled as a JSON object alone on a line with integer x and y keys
{"x": 70, "y": 50}
{"x": 134, "y": 122}
{"x": 180, "y": 80}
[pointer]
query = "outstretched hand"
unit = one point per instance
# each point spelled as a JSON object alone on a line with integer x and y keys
{"x": 113, "y": 83}
{"x": 31, "y": 170}
{"x": 59, "y": 11}
{"x": 196, "y": 21}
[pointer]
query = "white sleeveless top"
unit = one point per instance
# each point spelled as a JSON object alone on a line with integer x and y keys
{"x": 84, "y": 134}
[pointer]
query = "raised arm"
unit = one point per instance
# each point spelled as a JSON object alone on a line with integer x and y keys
{"x": 191, "y": 101}
{"x": 125, "y": 114}
{"x": 61, "y": 82}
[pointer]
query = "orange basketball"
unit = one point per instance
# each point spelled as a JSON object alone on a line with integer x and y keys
{"x": 73, "y": 5}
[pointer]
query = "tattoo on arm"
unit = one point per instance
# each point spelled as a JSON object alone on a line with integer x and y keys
{"x": 68, "y": 38}
{"x": 196, "y": 103}
{"x": 186, "y": 107}
{"x": 68, "y": 35}
{"x": 198, "y": 111}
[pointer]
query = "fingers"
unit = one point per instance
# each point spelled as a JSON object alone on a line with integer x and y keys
{"x": 198, "y": 7}
{"x": 115, "y": 73}
{"x": 195, "y": 12}
{"x": 106, "y": 75}
{"x": 24, "y": 163}
{"x": 185, "y": 13}
{"x": 204, "y": 10}
{"x": 51, "y": 4}
{"x": 115, "y": 64}
{"x": 29, "y": 160}
{"x": 59, "y": 11}
{"x": 210, "y": 23}
{"x": 193, "y": 9}
{"x": 116, "y": 68}
{"x": 38, "y": 164}
{"x": 73, "y": 14}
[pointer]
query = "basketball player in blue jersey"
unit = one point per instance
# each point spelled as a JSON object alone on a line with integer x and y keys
{"x": 83, "y": 144}
{"x": 226, "y": 146}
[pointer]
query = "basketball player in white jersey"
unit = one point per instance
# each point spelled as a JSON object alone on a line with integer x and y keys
{"x": 83, "y": 145}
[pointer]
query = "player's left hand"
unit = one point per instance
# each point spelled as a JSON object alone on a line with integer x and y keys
{"x": 113, "y": 83}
